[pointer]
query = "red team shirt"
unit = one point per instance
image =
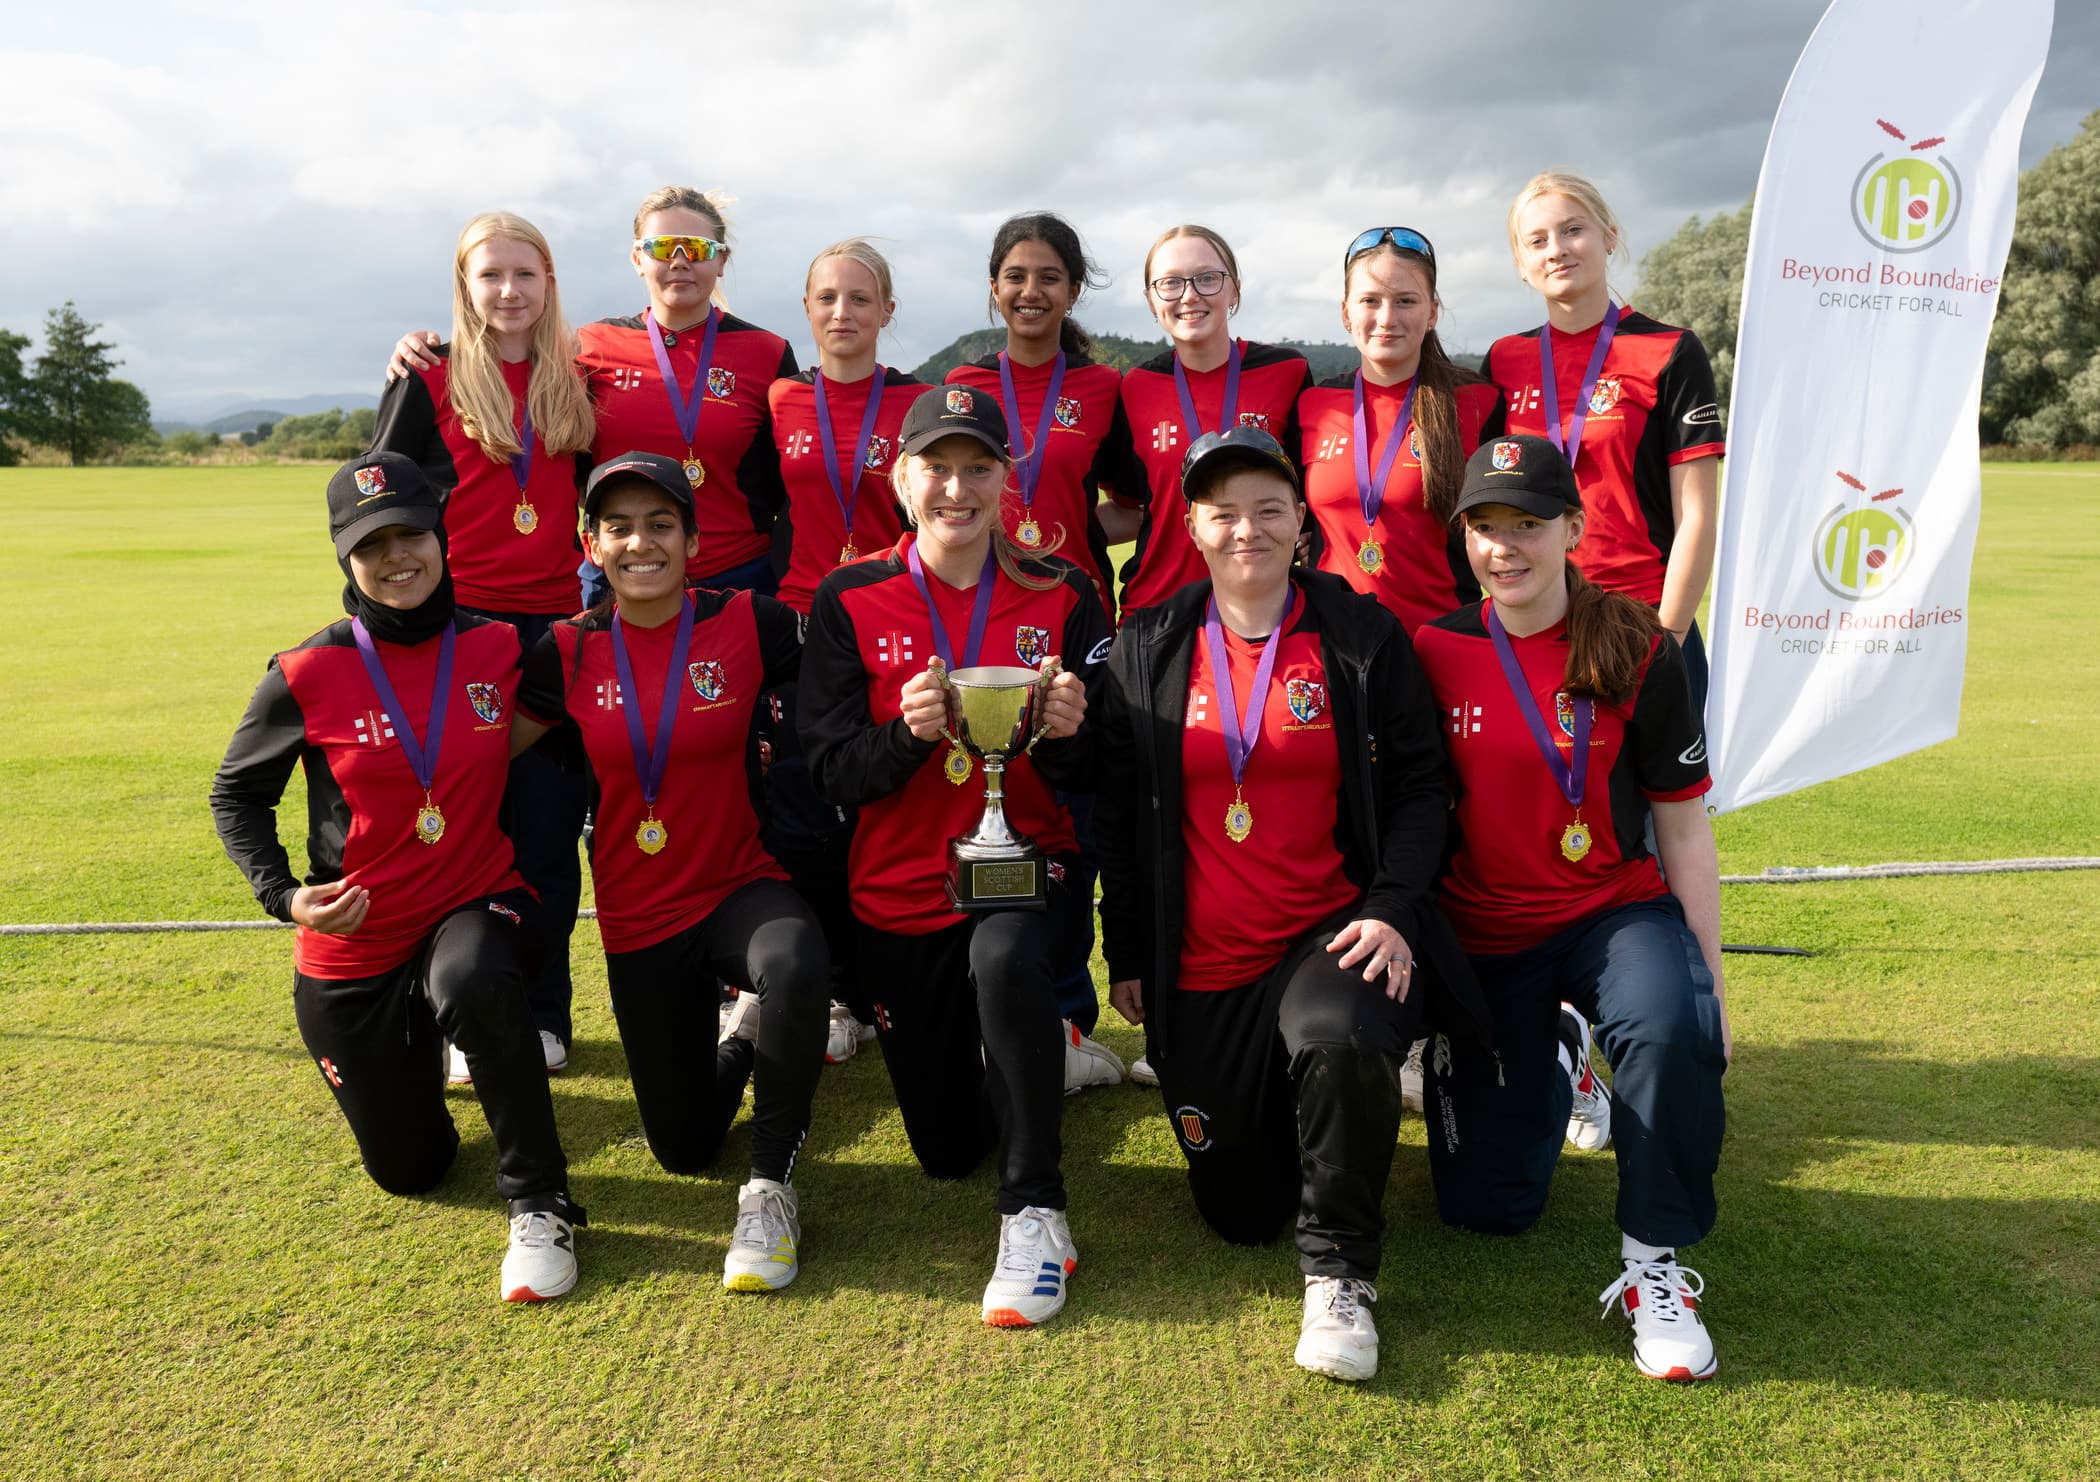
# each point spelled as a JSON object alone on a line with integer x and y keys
{"x": 495, "y": 566}
{"x": 871, "y": 615}
{"x": 1252, "y": 910}
{"x": 1423, "y": 573}
{"x": 817, "y": 530}
{"x": 1654, "y": 408}
{"x": 1271, "y": 379}
{"x": 1508, "y": 886}
{"x": 737, "y": 502}
{"x": 1088, "y": 446}
{"x": 709, "y": 802}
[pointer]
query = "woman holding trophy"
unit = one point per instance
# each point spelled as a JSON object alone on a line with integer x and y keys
{"x": 957, "y": 950}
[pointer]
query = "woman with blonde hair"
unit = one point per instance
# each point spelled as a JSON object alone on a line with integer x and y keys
{"x": 496, "y": 418}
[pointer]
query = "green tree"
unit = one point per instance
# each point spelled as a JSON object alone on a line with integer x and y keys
{"x": 2042, "y": 380}
{"x": 17, "y": 404}
{"x": 1696, "y": 279}
{"x": 80, "y": 406}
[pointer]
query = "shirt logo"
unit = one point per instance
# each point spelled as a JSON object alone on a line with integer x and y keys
{"x": 1524, "y": 399}
{"x": 1605, "y": 397}
{"x": 1165, "y": 435}
{"x": 707, "y": 678}
{"x": 506, "y": 913}
{"x": 1193, "y": 1127}
{"x": 799, "y": 443}
{"x": 335, "y": 1077}
{"x": 1332, "y": 446}
{"x": 893, "y": 647}
{"x": 1067, "y": 411}
{"x": 1564, "y": 712}
{"x": 1693, "y": 754}
{"x": 487, "y": 700}
{"x": 1255, "y": 419}
{"x": 1464, "y": 720}
{"x": 1307, "y": 699}
{"x": 1414, "y": 441}
{"x": 877, "y": 457}
{"x": 626, "y": 378}
{"x": 1199, "y": 704}
{"x": 375, "y": 728}
{"x": 720, "y": 382}
{"x": 1031, "y": 645}
{"x": 609, "y": 694}
{"x": 1706, "y": 416}
{"x": 1101, "y": 651}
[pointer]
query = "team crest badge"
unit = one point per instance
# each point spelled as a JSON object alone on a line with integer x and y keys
{"x": 1506, "y": 456}
{"x": 708, "y": 682}
{"x": 1031, "y": 645}
{"x": 959, "y": 402}
{"x": 1414, "y": 442}
{"x": 877, "y": 455}
{"x": 371, "y": 481}
{"x": 1564, "y": 712}
{"x": 1255, "y": 419}
{"x": 1605, "y": 397}
{"x": 1193, "y": 1126}
{"x": 720, "y": 383}
{"x": 487, "y": 700}
{"x": 1308, "y": 700}
{"x": 1067, "y": 411}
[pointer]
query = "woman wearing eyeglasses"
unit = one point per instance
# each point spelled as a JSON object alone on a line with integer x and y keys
{"x": 1207, "y": 382}
{"x": 1384, "y": 448}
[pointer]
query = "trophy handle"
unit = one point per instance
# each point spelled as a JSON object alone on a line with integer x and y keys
{"x": 1051, "y": 668}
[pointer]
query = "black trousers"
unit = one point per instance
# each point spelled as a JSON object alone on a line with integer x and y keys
{"x": 765, "y": 940}
{"x": 543, "y": 806}
{"x": 1285, "y": 1096}
{"x": 812, "y": 840}
{"x": 967, "y": 1019}
{"x": 380, "y": 1044}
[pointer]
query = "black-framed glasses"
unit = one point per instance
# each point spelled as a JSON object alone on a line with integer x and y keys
{"x": 1206, "y": 283}
{"x": 1406, "y": 238}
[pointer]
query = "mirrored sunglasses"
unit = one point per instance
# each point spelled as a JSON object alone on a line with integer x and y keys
{"x": 696, "y": 249}
{"x": 1406, "y": 238}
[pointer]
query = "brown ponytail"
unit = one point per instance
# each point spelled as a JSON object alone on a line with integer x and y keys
{"x": 1437, "y": 379}
{"x": 1609, "y": 639}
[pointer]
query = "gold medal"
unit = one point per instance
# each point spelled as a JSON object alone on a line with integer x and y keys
{"x": 525, "y": 517}
{"x": 430, "y": 823}
{"x": 1239, "y": 819}
{"x": 848, "y": 553}
{"x": 694, "y": 473}
{"x": 1029, "y": 533}
{"x": 957, "y": 766}
{"x": 1575, "y": 841}
{"x": 651, "y": 837}
{"x": 1370, "y": 556}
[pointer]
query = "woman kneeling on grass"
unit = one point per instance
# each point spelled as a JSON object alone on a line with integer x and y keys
{"x": 1272, "y": 816}
{"x": 661, "y": 682}
{"x": 414, "y": 927}
{"x": 1556, "y": 897}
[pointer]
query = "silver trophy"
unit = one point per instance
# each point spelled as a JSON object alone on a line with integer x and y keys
{"x": 994, "y": 714}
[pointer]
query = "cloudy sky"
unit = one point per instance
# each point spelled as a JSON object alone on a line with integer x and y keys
{"x": 254, "y": 200}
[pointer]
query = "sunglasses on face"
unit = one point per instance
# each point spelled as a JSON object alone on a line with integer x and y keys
{"x": 696, "y": 249}
{"x": 1206, "y": 283}
{"x": 1406, "y": 238}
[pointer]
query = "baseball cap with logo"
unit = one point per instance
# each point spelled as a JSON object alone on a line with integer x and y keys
{"x": 948, "y": 411}
{"x": 667, "y": 475}
{"x": 376, "y": 490}
{"x": 1216, "y": 454}
{"x": 1523, "y": 472}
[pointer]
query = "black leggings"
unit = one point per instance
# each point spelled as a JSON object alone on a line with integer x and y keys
{"x": 380, "y": 1044}
{"x": 765, "y": 940}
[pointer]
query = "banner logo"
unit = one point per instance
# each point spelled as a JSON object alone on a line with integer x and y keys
{"x": 1860, "y": 551}
{"x": 1906, "y": 202}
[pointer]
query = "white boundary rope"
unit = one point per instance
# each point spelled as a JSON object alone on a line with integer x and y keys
{"x": 1773, "y": 875}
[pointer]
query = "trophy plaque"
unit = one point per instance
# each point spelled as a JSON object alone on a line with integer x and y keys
{"x": 994, "y": 714}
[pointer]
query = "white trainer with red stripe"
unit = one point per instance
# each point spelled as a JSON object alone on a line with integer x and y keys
{"x": 1661, "y": 1299}
{"x": 1088, "y": 1063}
{"x": 1589, "y": 1118}
{"x": 541, "y": 1261}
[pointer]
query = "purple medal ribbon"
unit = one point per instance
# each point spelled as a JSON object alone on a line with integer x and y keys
{"x": 978, "y": 613}
{"x": 845, "y": 477}
{"x": 1030, "y": 469}
{"x": 1571, "y": 444}
{"x": 651, "y": 759}
{"x": 1228, "y": 412}
{"x": 1575, "y": 774}
{"x": 1370, "y": 488}
{"x": 685, "y": 405}
{"x": 422, "y": 758}
{"x": 1241, "y": 725}
{"x": 521, "y": 461}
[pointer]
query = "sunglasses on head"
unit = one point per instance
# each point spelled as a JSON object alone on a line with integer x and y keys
{"x": 1406, "y": 238}
{"x": 696, "y": 249}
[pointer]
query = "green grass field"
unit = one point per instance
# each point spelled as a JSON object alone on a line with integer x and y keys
{"x": 199, "y": 1281}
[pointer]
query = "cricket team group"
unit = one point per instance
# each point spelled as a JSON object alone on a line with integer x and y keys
{"x": 1383, "y": 752}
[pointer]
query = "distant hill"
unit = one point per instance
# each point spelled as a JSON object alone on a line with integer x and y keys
{"x": 1326, "y": 358}
{"x": 247, "y": 417}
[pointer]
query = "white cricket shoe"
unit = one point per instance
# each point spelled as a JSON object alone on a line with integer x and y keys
{"x": 843, "y": 1040}
{"x": 456, "y": 1072}
{"x": 541, "y": 1261}
{"x": 553, "y": 1051}
{"x": 1411, "y": 1077}
{"x": 1336, "y": 1336}
{"x": 1142, "y": 1073}
{"x": 1589, "y": 1121}
{"x": 762, "y": 1251}
{"x": 1036, "y": 1256}
{"x": 740, "y": 1020}
{"x": 1088, "y": 1062}
{"x": 1661, "y": 1299}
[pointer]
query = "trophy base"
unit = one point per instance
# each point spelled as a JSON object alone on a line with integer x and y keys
{"x": 1006, "y": 878}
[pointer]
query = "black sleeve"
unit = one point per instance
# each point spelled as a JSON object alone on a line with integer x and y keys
{"x": 543, "y": 690}
{"x": 266, "y": 745}
{"x": 851, "y": 759}
{"x": 1685, "y": 398}
{"x": 1496, "y": 422}
{"x": 779, "y": 640}
{"x": 1116, "y": 467}
{"x": 1412, "y": 788}
{"x": 1292, "y": 434}
{"x": 1668, "y": 740}
{"x": 1114, "y": 710}
{"x": 407, "y": 424}
{"x": 758, "y": 471}
{"x": 1069, "y": 762}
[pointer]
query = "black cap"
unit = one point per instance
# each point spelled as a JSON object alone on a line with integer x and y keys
{"x": 1215, "y": 454}
{"x": 667, "y": 474}
{"x": 1522, "y": 471}
{"x": 948, "y": 411}
{"x": 377, "y": 490}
